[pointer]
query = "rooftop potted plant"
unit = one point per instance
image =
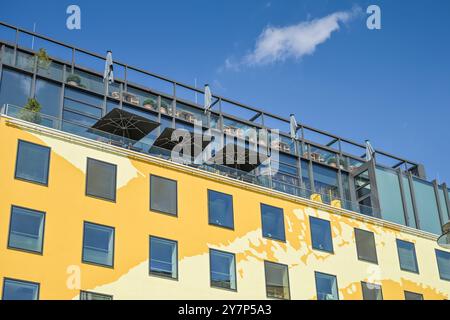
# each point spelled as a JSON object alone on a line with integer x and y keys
{"x": 149, "y": 104}
{"x": 74, "y": 80}
{"x": 31, "y": 111}
{"x": 43, "y": 60}
{"x": 334, "y": 162}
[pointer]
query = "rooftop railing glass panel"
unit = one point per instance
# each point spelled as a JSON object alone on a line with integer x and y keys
{"x": 427, "y": 209}
{"x": 86, "y": 131}
{"x": 409, "y": 202}
{"x": 390, "y": 196}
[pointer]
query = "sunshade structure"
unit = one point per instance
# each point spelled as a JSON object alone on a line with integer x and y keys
{"x": 125, "y": 124}
{"x": 238, "y": 157}
{"x": 197, "y": 141}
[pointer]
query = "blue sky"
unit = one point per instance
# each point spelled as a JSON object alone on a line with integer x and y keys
{"x": 391, "y": 86}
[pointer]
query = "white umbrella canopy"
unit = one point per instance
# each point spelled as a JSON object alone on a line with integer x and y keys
{"x": 208, "y": 98}
{"x": 370, "y": 151}
{"x": 294, "y": 127}
{"x": 109, "y": 68}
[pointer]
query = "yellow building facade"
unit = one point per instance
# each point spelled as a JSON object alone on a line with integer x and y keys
{"x": 61, "y": 273}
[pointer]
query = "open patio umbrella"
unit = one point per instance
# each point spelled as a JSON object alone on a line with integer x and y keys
{"x": 125, "y": 124}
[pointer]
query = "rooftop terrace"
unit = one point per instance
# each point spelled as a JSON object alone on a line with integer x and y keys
{"x": 74, "y": 96}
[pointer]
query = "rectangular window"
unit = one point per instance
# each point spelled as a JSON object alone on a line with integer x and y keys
{"x": 26, "y": 230}
{"x": 85, "y": 295}
{"x": 101, "y": 179}
{"x": 163, "y": 257}
{"x": 20, "y": 290}
{"x": 371, "y": 291}
{"x": 272, "y": 222}
{"x": 365, "y": 246}
{"x": 321, "y": 234}
{"x": 277, "y": 280}
{"x": 163, "y": 195}
{"x": 220, "y": 209}
{"x": 443, "y": 262}
{"x": 413, "y": 296}
{"x": 407, "y": 256}
{"x": 98, "y": 244}
{"x": 223, "y": 269}
{"x": 326, "y": 286}
{"x": 32, "y": 162}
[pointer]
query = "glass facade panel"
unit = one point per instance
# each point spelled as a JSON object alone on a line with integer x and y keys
{"x": 20, "y": 290}
{"x": 390, "y": 195}
{"x": 371, "y": 291}
{"x": 445, "y": 212}
{"x": 325, "y": 182}
{"x": 26, "y": 231}
{"x": 365, "y": 246}
{"x": 443, "y": 262}
{"x": 163, "y": 195}
{"x": 79, "y": 119}
{"x": 277, "y": 280}
{"x": 32, "y": 162}
{"x": 321, "y": 234}
{"x": 427, "y": 207}
{"x": 101, "y": 179}
{"x": 48, "y": 94}
{"x": 163, "y": 257}
{"x": 15, "y": 88}
{"x": 223, "y": 270}
{"x": 306, "y": 181}
{"x": 272, "y": 222}
{"x": 409, "y": 203}
{"x": 326, "y": 286}
{"x": 220, "y": 209}
{"x": 407, "y": 256}
{"x": 91, "y": 111}
{"x": 98, "y": 244}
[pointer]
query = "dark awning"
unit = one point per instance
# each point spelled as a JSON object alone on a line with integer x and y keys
{"x": 165, "y": 141}
{"x": 125, "y": 124}
{"x": 239, "y": 157}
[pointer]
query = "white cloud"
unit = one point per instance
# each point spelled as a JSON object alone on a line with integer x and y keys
{"x": 292, "y": 42}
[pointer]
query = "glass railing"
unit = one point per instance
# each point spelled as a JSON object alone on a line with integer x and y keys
{"x": 150, "y": 149}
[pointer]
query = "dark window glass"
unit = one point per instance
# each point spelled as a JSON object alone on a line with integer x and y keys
{"x": 20, "y": 290}
{"x": 326, "y": 286}
{"x": 365, "y": 246}
{"x": 101, "y": 179}
{"x": 407, "y": 256}
{"x": 325, "y": 182}
{"x": 220, "y": 209}
{"x": 272, "y": 222}
{"x": 306, "y": 182}
{"x": 26, "y": 231}
{"x": 32, "y": 162}
{"x": 443, "y": 262}
{"x": 82, "y": 108}
{"x": 48, "y": 94}
{"x": 371, "y": 291}
{"x": 98, "y": 244}
{"x": 413, "y": 296}
{"x": 163, "y": 195}
{"x": 163, "y": 257}
{"x": 321, "y": 234}
{"x": 79, "y": 119}
{"x": 83, "y": 97}
{"x": 223, "y": 270}
{"x": 277, "y": 280}
{"x": 15, "y": 88}
{"x": 85, "y": 295}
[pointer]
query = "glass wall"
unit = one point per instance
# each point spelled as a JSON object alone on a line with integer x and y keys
{"x": 325, "y": 182}
{"x": 48, "y": 94}
{"x": 390, "y": 196}
{"x": 445, "y": 211}
{"x": 427, "y": 209}
{"x": 409, "y": 203}
{"x": 15, "y": 88}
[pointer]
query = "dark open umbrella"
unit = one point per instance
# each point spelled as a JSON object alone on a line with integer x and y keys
{"x": 125, "y": 124}
{"x": 190, "y": 138}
